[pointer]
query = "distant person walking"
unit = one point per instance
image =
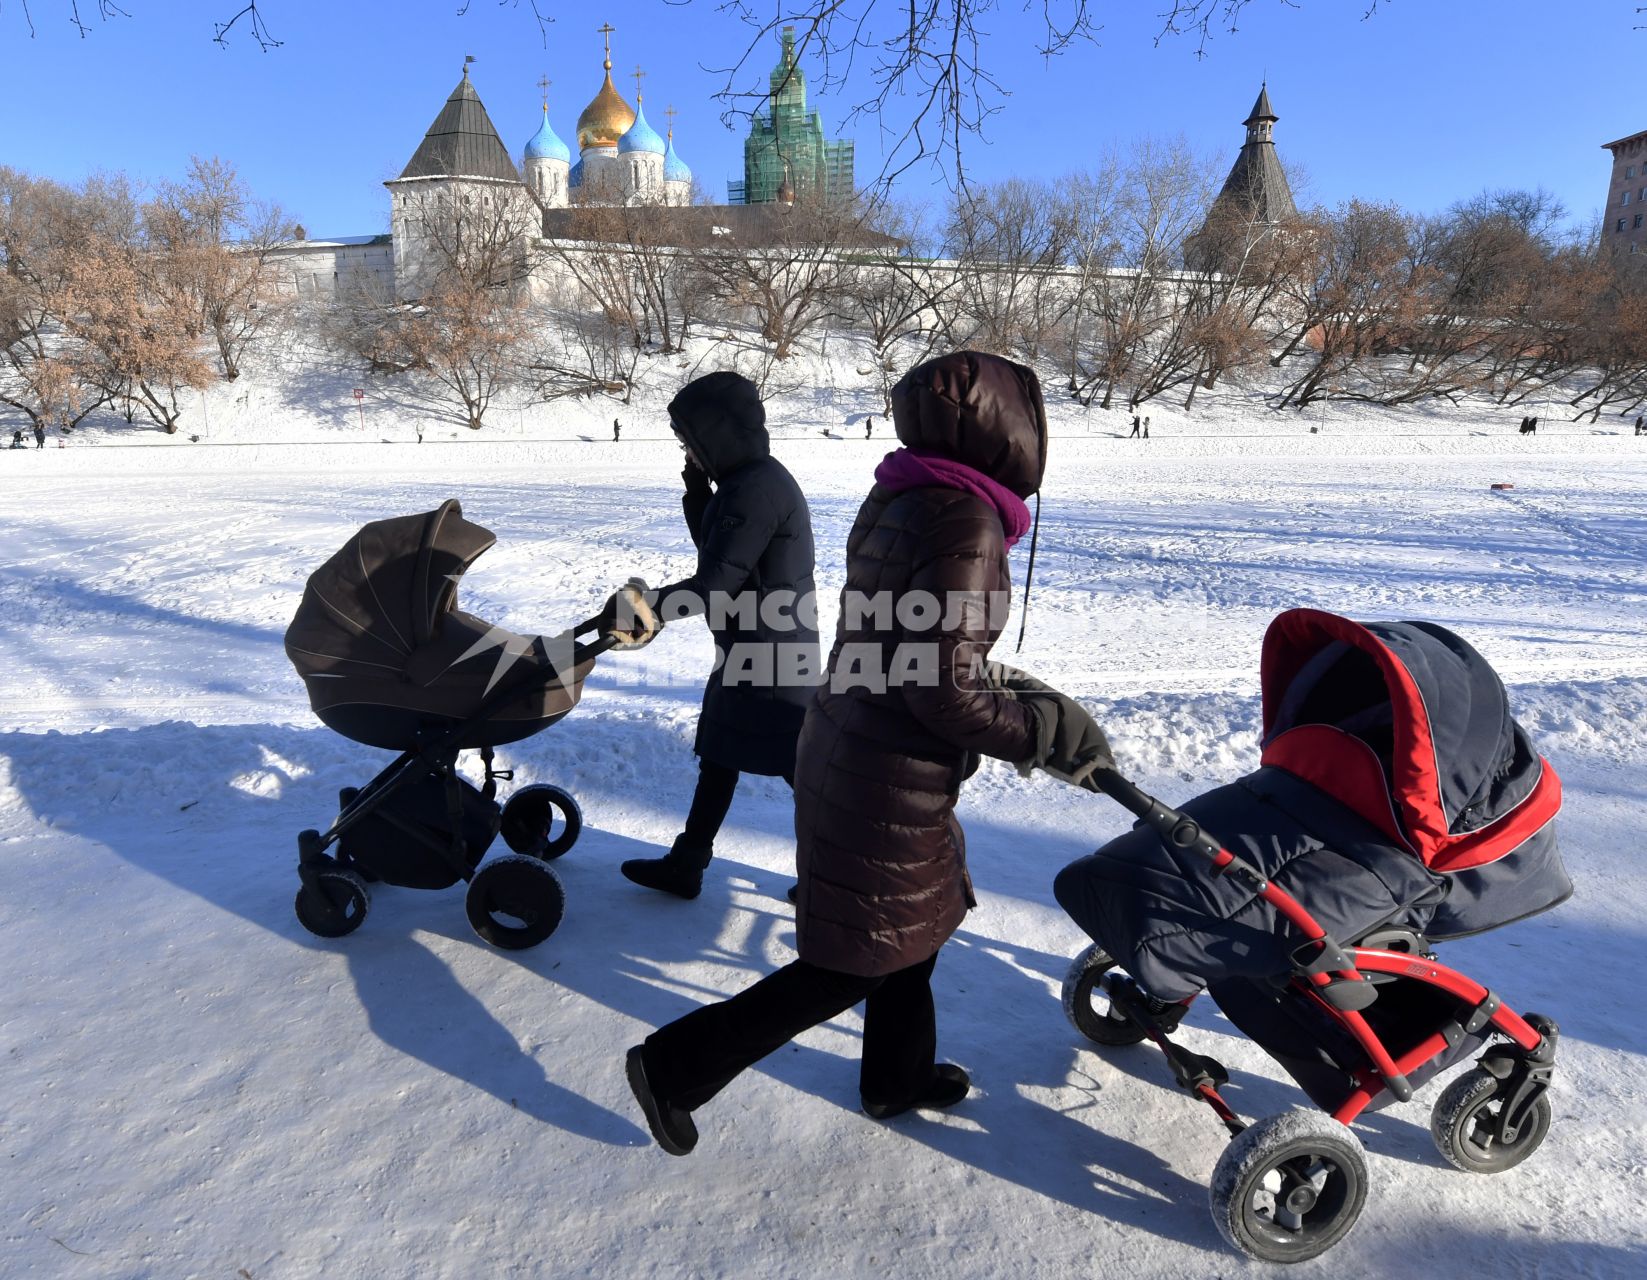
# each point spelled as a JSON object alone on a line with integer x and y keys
{"x": 1639, "y": 424}
{"x": 869, "y": 427}
{"x": 617, "y": 431}
{"x": 1146, "y": 428}
{"x": 39, "y": 436}
{"x": 1136, "y": 425}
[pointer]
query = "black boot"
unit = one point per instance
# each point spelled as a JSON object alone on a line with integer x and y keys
{"x": 670, "y": 1125}
{"x": 680, "y": 871}
{"x": 949, "y": 1084}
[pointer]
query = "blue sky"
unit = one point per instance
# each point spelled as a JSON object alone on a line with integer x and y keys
{"x": 1426, "y": 102}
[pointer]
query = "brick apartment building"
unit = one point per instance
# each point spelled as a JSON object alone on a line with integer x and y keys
{"x": 1622, "y": 229}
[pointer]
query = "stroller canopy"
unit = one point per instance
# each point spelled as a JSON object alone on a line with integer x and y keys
{"x": 384, "y": 651}
{"x": 1407, "y": 725}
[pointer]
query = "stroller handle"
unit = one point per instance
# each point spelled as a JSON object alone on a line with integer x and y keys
{"x": 1118, "y": 789}
{"x": 1177, "y": 829}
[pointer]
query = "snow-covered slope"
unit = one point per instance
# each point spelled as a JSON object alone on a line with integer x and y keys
{"x": 194, "y": 1086}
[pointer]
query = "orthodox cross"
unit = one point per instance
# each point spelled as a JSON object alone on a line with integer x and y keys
{"x": 544, "y": 83}
{"x": 606, "y": 29}
{"x": 639, "y": 76}
{"x": 671, "y": 113}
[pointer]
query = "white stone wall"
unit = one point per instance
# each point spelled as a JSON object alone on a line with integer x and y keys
{"x": 327, "y": 269}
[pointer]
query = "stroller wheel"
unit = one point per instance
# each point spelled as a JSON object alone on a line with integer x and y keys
{"x": 1289, "y": 1187}
{"x": 515, "y": 902}
{"x": 541, "y": 820}
{"x": 1464, "y": 1124}
{"x": 338, "y": 908}
{"x": 1091, "y": 1016}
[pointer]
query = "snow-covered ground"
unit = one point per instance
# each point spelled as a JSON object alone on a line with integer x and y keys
{"x": 194, "y": 1086}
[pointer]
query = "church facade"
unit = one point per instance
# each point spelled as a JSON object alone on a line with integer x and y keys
{"x": 462, "y": 190}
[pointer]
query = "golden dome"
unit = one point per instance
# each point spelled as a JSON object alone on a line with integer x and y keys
{"x": 606, "y": 119}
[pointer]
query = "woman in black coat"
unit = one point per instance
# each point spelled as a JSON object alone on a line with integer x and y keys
{"x": 750, "y": 523}
{"x": 887, "y": 743}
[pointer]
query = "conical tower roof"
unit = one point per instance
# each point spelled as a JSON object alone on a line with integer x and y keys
{"x": 1261, "y": 108}
{"x": 1256, "y": 180}
{"x": 462, "y": 143}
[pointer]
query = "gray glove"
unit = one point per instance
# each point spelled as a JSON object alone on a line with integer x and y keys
{"x": 1070, "y": 746}
{"x": 628, "y": 618}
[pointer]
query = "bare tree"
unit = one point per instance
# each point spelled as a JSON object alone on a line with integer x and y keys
{"x": 1132, "y": 307}
{"x": 39, "y": 374}
{"x": 899, "y": 301}
{"x": 1361, "y": 301}
{"x": 788, "y": 278}
{"x": 213, "y": 243}
{"x": 470, "y": 261}
{"x": 1009, "y": 241}
{"x": 1613, "y": 344}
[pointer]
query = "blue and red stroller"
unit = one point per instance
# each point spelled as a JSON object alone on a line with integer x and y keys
{"x": 1398, "y": 804}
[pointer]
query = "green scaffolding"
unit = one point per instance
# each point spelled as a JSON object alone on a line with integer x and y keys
{"x": 788, "y": 143}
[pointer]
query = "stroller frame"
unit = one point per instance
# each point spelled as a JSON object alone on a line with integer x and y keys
{"x": 435, "y": 753}
{"x": 1341, "y": 981}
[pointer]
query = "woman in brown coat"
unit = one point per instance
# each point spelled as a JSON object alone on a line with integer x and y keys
{"x": 907, "y": 709}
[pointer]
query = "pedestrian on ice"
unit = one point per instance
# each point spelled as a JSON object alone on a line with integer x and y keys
{"x": 1146, "y": 428}
{"x": 750, "y": 523}
{"x": 880, "y": 855}
{"x": 1135, "y": 425}
{"x": 617, "y": 431}
{"x": 39, "y": 436}
{"x": 869, "y": 427}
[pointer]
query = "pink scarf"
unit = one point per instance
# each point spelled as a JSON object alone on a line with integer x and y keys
{"x": 921, "y": 468}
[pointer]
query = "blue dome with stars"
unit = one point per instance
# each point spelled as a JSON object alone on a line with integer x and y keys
{"x": 641, "y": 136}
{"x": 546, "y": 144}
{"x": 674, "y": 168}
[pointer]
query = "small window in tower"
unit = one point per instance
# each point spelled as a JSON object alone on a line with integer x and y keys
{"x": 1629, "y": 171}
{"x": 1637, "y": 221}
{"x": 1624, "y": 199}
{"x": 1620, "y": 225}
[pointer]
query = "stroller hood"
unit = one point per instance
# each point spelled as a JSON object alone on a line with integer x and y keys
{"x": 1457, "y": 779}
{"x": 385, "y": 653}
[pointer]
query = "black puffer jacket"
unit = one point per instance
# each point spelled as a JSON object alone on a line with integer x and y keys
{"x": 880, "y": 856}
{"x": 753, "y": 536}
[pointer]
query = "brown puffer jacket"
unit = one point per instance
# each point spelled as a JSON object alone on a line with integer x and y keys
{"x": 880, "y": 856}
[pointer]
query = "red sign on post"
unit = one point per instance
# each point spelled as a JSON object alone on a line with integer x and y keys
{"x": 359, "y": 394}
{"x": 360, "y": 408}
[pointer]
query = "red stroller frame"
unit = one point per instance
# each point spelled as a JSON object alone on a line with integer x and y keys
{"x": 1488, "y": 1120}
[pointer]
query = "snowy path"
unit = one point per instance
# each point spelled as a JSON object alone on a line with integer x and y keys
{"x": 196, "y": 1087}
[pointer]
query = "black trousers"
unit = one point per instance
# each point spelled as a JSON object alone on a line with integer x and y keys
{"x": 693, "y": 1058}
{"x": 712, "y": 800}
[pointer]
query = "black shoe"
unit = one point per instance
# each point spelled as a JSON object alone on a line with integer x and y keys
{"x": 793, "y": 893}
{"x": 670, "y": 1125}
{"x": 680, "y": 871}
{"x": 664, "y": 874}
{"x": 949, "y": 1085}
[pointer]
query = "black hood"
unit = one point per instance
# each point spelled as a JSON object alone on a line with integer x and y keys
{"x": 722, "y": 419}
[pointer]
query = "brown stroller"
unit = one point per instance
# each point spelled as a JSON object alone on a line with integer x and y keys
{"x": 390, "y": 661}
